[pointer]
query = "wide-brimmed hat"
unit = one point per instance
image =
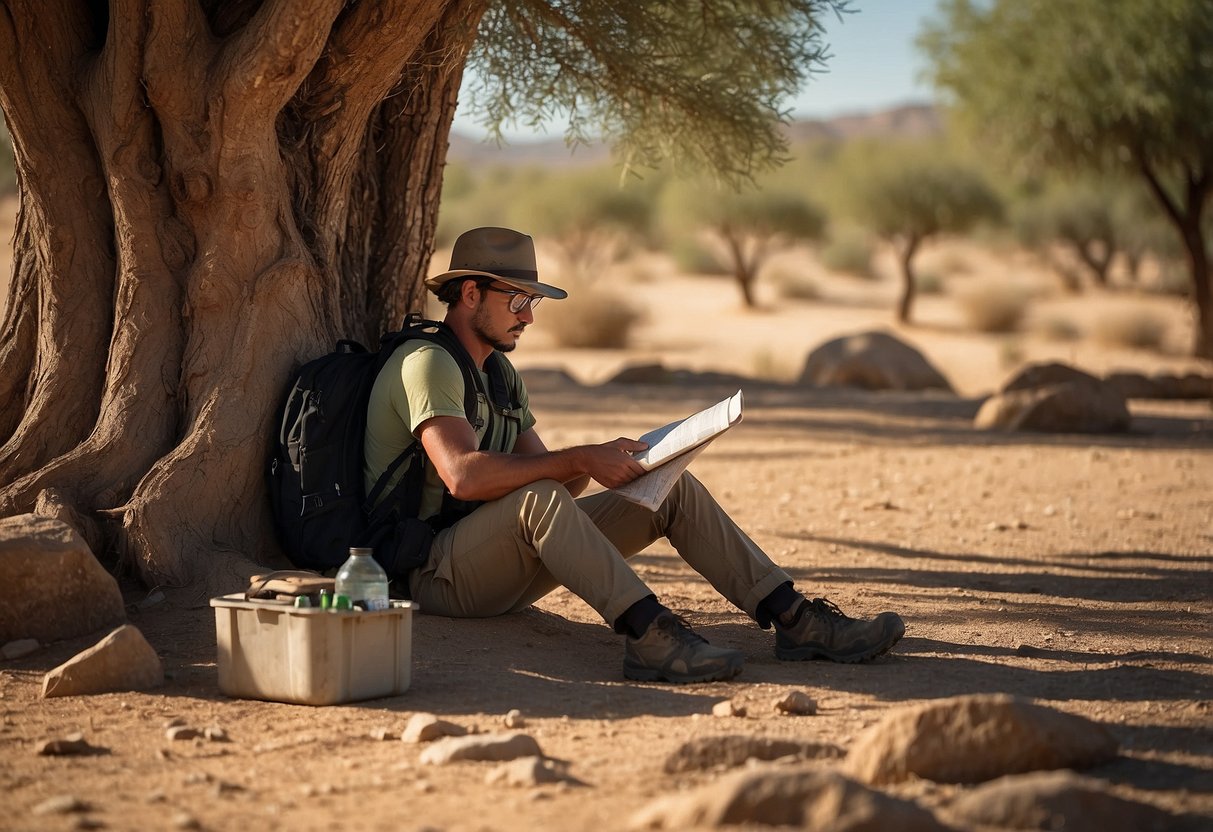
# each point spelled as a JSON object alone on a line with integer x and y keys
{"x": 500, "y": 253}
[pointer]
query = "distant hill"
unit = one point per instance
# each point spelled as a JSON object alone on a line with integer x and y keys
{"x": 908, "y": 121}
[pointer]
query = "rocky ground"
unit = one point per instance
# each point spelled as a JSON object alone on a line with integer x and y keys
{"x": 1070, "y": 571}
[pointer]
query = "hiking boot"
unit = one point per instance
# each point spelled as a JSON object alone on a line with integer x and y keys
{"x": 670, "y": 651}
{"x": 819, "y": 630}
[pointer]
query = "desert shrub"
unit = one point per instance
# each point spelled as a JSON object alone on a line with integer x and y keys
{"x": 1134, "y": 328}
{"x": 1010, "y": 353}
{"x": 766, "y": 364}
{"x": 993, "y": 307}
{"x": 794, "y": 285}
{"x": 929, "y": 283}
{"x": 849, "y": 250}
{"x": 1172, "y": 280}
{"x": 693, "y": 257}
{"x": 1057, "y": 328}
{"x": 592, "y": 319}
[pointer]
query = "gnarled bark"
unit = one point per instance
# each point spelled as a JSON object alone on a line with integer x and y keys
{"x": 230, "y": 187}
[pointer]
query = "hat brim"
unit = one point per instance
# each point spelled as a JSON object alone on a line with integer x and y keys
{"x": 533, "y": 286}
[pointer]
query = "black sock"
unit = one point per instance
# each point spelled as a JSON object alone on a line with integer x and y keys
{"x": 637, "y": 618}
{"x": 783, "y": 598}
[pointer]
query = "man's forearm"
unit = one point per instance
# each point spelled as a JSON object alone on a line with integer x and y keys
{"x": 487, "y": 475}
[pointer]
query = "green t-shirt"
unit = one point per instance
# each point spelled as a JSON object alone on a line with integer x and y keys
{"x": 421, "y": 380}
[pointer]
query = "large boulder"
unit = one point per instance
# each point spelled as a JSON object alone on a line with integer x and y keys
{"x": 971, "y": 739}
{"x": 121, "y": 661}
{"x": 1055, "y": 800}
{"x": 54, "y": 588}
{"x": 1161, "y": 385}
{"x": 804, "y": 798}
{"x": 872, "y": 361}
{"x": 1055, "y": 398}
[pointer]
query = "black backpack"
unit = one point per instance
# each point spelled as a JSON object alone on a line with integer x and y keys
{"x": 315, "y": 474}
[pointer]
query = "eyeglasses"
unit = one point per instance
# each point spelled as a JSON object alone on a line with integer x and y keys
{"x": 519, "y": 300}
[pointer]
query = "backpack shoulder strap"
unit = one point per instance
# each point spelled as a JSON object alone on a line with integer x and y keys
{"x": 416, "y": 327}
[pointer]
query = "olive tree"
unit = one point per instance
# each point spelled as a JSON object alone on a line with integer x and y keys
{"x": 212, "y": 191}
{"x": 1102, "y": 85}
{"x": 749, "y": 225}
{"x": 910, "y": 196}
{"x": 1085, "y": 219}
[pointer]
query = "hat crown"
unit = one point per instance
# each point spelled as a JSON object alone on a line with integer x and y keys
{"x": 495, "y": 250}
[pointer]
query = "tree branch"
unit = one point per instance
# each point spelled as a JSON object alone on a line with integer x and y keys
{"x": 179, "y": 48}
{"x": 267, "y": 60}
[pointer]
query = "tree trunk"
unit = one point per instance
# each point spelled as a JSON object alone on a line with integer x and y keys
{"x": 1186, "y": 213}
{"x": 744, "y": 267}
{"x": 1202, "y": 290}
{"x": 206, "y": 202}
{"x": 906, "y": 257}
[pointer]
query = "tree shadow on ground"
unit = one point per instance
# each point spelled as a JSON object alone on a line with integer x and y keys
{"x": 887, "y": 417}
{"x": 1190, "y": 579}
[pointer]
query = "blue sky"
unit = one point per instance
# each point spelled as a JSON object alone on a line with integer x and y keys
{"x": 874, "y": 66}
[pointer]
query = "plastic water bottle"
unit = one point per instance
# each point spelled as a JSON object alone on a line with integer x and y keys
{"x": 363, "y": 581}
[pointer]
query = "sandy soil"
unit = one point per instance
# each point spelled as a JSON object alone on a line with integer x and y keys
{"x": 1072, "y": 570}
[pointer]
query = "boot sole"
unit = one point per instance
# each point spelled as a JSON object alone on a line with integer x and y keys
{"x": 808, "y": 652}
{"x": 648, "y": 674}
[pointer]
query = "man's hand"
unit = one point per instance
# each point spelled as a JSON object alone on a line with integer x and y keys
{"x": 611, "y": 464}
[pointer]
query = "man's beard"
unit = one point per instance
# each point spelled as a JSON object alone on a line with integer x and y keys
{"x": 480, "y": 328}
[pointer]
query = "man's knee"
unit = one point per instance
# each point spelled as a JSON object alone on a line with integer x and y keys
{"x": 541, "y": 501}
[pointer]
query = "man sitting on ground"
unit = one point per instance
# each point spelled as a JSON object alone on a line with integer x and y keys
{"x": 531, "y": 534}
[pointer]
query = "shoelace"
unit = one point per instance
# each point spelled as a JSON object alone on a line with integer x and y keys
{"x": 827, "y": 607}
{"x": 680, "y": 630}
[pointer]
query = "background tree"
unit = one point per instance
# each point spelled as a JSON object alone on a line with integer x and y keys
{"x": 1086, "y": 219}
{"x": 589, "y": 215}
{"x": 909, "y": 195}
{"x": 212, "y": 191}
{"x": 1098, "y": 85}
{"x": 749, "y": 225}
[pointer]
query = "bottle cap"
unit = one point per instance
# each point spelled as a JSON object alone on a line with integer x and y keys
{"x": 342, "y": 602}
{"x": 303, "y": 602}
{"x": 361, "y": 550}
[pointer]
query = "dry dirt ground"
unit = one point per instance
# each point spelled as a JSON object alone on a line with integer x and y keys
{"x": 1072, "y": 570}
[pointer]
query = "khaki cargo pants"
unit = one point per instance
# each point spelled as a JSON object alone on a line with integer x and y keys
{"x": 511, "y": 552}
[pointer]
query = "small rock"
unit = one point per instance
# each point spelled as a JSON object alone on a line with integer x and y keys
{"x": 513, "y": 719}
{"x": 184, "y": 820}
{"x": 65, "y": 746}
{"x": 173, "y": 722}
{"x": 728, "y": 708}
{"x": 63, "y": 804}
{"x": 526, "y": 772}
{"x": 425, "y": 727}
{"x": 215, "y": 734}
{"x": 796, "y": 703}
{"x": 123, "y": 660}
{"x": 381, "y": 733}
{"x": 492, "y": 747}
{"x": 19, "y": 648}
{"x": 1049, "y": 510}
{"x": 181, "y": 733}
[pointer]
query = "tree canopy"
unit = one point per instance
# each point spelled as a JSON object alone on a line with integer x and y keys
{"x": 1096, "y": 85}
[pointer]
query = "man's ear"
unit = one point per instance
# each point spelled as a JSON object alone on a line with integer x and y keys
{"x": 469, "y": 293}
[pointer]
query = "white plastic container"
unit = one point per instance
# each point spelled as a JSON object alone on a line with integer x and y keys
{"x": 312, "y": 656}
